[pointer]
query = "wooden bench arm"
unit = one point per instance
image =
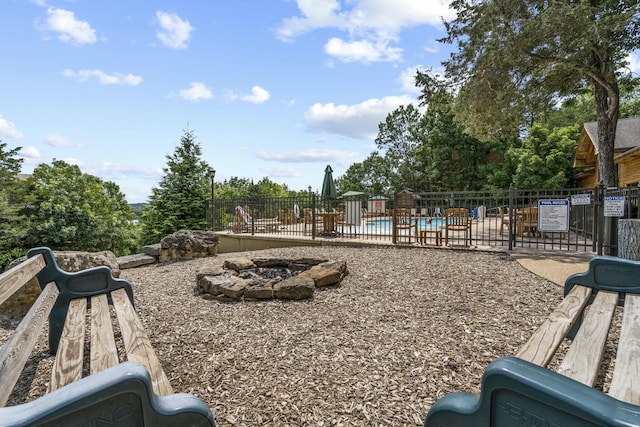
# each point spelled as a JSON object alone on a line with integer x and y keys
{"x": 515, "y": 392}
{"x": 86, "y": 283}
{"x": 121, "y": 395}
{"x": 609, "y": 274}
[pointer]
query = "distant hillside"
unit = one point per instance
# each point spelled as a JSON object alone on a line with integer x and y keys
{"x": 137, "y": 208}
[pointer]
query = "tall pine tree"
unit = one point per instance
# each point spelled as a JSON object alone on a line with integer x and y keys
{"x": 180, "y": 200}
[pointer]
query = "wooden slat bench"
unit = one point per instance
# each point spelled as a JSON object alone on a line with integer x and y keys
{"x": 521, "y": 391}
{"x": 81, "y": 310}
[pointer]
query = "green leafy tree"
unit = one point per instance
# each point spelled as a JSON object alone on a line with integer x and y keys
{"x": 399, "y": 138}
{"x": 574, "y": 110}
{"x": 453, "y": 158}
{"x": 514, "y": 57}
{"x": 267, "y": 188}
{"x": 499, "y": 171}
{"x": 375, "y": 175}
{"x": 242, "y": 188}
{"x": 180, "y": 200}
{"x": 12, "y": 222}
{"x": 545, "y": 158}
{"x": 234, "y": 188}
{"x": 10, "y": 165}
{"x": 630, "y": 101}
{"x": 72, "y": 210}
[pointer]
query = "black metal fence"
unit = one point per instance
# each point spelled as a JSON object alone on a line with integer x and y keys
{"x": 498, "y": 218}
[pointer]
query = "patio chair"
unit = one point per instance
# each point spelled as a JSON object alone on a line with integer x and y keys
{"x": 243, "y": 220}
{"x": 247, "y": 223}
{"x": 307, "y": 215}
{"x": 527, "y": 222}
{"x": 287, "y": 218}
{"x": 503, "y": 217}
{"x": 403, "y": 221}
{"x": 457, "y": 219}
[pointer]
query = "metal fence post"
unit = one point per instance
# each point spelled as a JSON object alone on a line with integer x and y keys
{"x": 597, "y": 238}
{"x": 512, "y": 217}
{"x": 313, "y": 216}
{"x": 393, "y": 218}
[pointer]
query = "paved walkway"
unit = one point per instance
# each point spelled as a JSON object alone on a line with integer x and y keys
{"x": 553, "y": 266}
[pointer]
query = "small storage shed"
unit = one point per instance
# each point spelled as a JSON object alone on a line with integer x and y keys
{"x": 407, "y": 199}
{"x": 377, "y": 205}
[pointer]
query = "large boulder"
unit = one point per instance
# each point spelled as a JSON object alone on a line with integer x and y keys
{"x": 296, "y": 287}
{"x": 187, "y": 244}
{"x": 77, "y": 261}
{"x": 71, "y": 261}
{"x": 135, "y": 260}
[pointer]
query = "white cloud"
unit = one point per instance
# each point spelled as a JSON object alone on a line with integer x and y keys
{"x": 362, "y": 51}
{"x": 283, "y": 172}
{"x": 174, "y": 31}
{"x": 74, "y": 161}
{"x": 315, "y": 14}
{"x": 8, "y": 129}
{"x": 258, "y": 96}
{"x": 196, "y": 92}
{"x": 67, "y": 27}
{"x": 29, "y": 153}
{"x": 313, "y": 155}
{"x": 104, "y": 78}
{"x": 407, "y": 79}
{"x": 55, "y": 140}
{"x": 112, "y": 171}
{"x": 634, "y": 62}
{"x": 354, "y": 121}
{"x": 372, "y": 25}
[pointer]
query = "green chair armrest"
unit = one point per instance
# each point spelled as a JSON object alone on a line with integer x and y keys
{"x": 121, "y": 395}
{"x": 518, "y": 393}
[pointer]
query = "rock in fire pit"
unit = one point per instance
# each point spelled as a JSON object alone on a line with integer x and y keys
{"x": 266, "y": 278}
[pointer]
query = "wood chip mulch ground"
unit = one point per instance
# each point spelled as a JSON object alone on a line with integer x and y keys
{"x": 405, "y": 327}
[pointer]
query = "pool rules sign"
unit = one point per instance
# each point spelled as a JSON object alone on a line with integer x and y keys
{"x": 553, "y": 215}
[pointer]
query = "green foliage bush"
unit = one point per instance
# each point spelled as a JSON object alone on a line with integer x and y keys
{"x": 9, "y": 255}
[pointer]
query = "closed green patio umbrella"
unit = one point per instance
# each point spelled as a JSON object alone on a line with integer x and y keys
{"x": 328, "y": 186}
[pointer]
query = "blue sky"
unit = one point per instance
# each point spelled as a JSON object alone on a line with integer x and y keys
{"x": 270, "y": 88}
{"x": 275, "y": 88}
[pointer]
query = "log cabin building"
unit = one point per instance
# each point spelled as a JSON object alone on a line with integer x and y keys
{"x": 626, "y": 155}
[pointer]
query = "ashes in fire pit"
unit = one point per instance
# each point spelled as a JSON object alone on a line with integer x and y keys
{"x": 266, "y": 278}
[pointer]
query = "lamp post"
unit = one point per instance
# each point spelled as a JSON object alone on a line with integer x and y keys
{"x": 212, "y": 174}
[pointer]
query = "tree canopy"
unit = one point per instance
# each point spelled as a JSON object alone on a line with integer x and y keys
{"x": 514, "y": 58}
{"x": 545, "y": 157}
{"x": 374, "y": 175}
{"x": 12, "y": 222}
{"x": 10, "y": 165}
{"x": 180, "y": 200}
{"x": 400, "y": 137}
{"x": 72, "y": 210}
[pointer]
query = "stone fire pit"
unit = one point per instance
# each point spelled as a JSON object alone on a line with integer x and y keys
{"x": 266, "y": 278}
